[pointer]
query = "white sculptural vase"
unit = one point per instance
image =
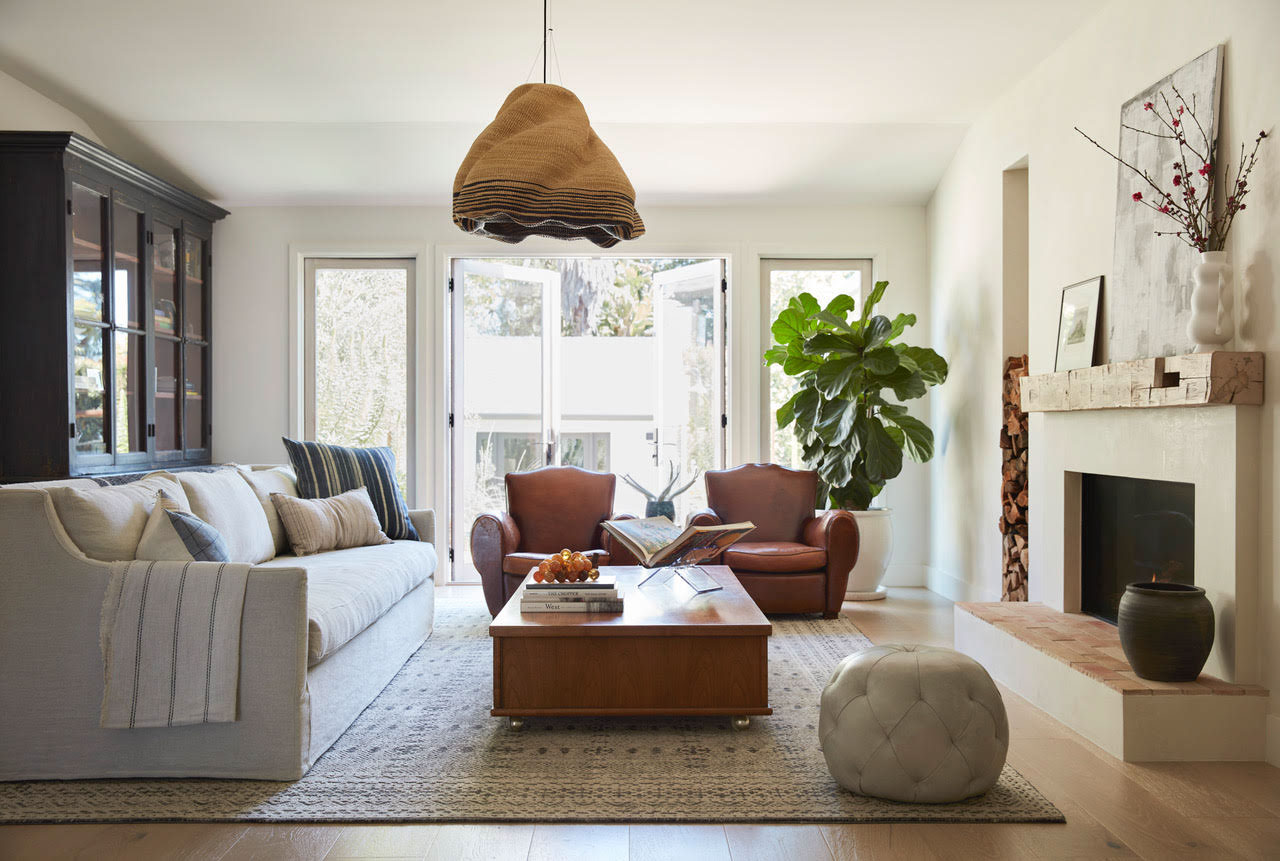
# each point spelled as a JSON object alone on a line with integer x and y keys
{"x": 1211, "y": 324}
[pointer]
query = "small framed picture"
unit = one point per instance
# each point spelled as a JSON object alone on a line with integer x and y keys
{"x": 1078, "y": 325}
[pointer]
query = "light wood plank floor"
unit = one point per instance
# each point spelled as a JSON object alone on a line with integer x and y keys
{"x": 1114, "y": 809}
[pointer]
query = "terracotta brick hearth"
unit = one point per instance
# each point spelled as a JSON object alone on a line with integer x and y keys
{"x": 1090, "y": 646}
{"x": 1071, "y": 665}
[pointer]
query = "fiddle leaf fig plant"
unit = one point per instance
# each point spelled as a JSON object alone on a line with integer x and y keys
{"x": 851, "y": 433}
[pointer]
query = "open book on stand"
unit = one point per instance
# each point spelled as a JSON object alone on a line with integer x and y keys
{"x": 656, "y": 541}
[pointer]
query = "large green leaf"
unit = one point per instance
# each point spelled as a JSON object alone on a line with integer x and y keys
{"x": 786, "y": 413}
{"x": 833, "y": 320}
{"x": 906, "y": 384}
{"x": 788, "y": 326}
{"x": 884, "y": 457}
{"x": 918, "y": 439}
{"x": 833, "y": 376}
{"x": 775, "y": 355}
{"x": 873, "y": 298}
{"x": 881, "y": 360}
{"x": 794, "y": 366}
{"x": 933, "y": 368}
{"x": 841, "y": 305}
{"x": 805, "y": 304}
{"x": 900, "y": 324}
{"x": 876, "y": 331}
{"x": 829, "y": 342}
{"x": 837, "y": 467}
{"x": 805, "y": 407}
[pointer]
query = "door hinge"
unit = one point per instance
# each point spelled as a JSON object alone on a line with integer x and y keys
{"x": 724, "y": 284}
{"x": 71, "y": 430}
{"x": 151, "y": 238}
{"x": 724, "y": 420}
{"x": 450, "y": 419}
{"x": 450, "y": 283}
{"x": 450, "y": 554}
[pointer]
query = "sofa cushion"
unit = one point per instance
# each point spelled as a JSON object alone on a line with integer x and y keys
{"x": 174, "y": 535}
{"x": 349, "y": 590}
{"x": 335, "y": 523}
{"x": 774, "y": 556}
{"x": 326, "y": 470}
{"x": 106, "y": 523}
{"x": 265, "y": 481}
{"x": 225, "y": 501}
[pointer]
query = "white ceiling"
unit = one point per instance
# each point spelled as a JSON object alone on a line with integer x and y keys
{"x": 376, "y": 101}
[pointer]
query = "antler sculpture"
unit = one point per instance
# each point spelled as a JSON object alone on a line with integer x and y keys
{"x": 666, "y": 492}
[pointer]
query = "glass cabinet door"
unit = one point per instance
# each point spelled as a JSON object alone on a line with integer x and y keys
{"x": 130, "y": 408}
{"x": 194, "y": 394}
{"x": 168, "y": 372}
{"x": 193, "y": 287}
{"x": 88, "y": 252}
{"x": 90, "y": 390}
{"x": 164, "y": 277}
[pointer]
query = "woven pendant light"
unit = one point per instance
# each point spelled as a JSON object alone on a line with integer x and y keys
{"x": 540, "y": 170}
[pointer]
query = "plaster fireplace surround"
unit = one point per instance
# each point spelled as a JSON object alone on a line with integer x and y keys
{"x": 1212, "y": 446}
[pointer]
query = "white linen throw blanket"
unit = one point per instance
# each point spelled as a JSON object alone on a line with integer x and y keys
{"x": 171, "y": 643}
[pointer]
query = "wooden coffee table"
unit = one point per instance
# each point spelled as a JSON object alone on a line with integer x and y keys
{"x": 670, "y": 652}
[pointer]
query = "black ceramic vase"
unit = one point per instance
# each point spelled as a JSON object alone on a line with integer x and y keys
{"x": 663, "y": 508}
{"x": 1166, "y": 630}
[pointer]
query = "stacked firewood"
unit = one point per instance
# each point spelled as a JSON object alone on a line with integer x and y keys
{"x": 1013, "y": 484}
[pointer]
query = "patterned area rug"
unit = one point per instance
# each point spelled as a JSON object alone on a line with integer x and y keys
{"x": 426, "y": 750}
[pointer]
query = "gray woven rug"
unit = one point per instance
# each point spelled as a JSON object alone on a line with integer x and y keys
{"x": 426, "y": 750}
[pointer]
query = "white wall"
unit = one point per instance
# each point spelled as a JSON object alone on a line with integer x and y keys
{"x": 23, "y": 109}
{"x": 252, "y": 311}
{"x": 1117, "y": 53}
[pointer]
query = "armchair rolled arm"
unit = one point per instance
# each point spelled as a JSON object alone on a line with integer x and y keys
{"x": 704, "y": 517}
{"x": 618, "y": 553}
{"x": 493, "y": 536}
{"x": 835, "y": 531}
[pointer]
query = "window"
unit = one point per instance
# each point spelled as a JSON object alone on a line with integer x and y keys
{"x": 359, "y": 348}
{"x": 782, "y": 280}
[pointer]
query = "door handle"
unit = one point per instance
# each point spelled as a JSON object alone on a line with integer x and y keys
{"x": 551, "y": 453}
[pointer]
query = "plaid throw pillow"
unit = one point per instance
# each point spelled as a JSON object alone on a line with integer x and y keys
{"x": 327, "y": 470}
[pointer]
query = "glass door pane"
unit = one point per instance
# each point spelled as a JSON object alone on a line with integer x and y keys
{"x": 359, "y": 317}
{"x": 501, "y": 394}
{"x": 164, "y": 277}
{"x": 88, "y": 251}
{"x": 784, "y": 280}
{"x": 193, "y": 286}
{"x": 689, "y": 398}
{"x": 91, "y": 393}
{"x": 130, "y": 411}
{"x": 193, "y": 398}
{"x": 127, "y": 232}
{"x": 168, "y": 404}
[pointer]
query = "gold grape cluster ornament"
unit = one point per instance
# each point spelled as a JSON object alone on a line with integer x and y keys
{"x": 565, "y": 567}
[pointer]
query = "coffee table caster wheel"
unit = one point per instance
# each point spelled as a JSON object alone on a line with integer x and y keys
{"x": 517, "y": 723}
{"x": 740, "y": 722}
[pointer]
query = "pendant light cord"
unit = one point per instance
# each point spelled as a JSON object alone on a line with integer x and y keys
{"x": 545, "y": 4}
{"x": 548, "y": 49}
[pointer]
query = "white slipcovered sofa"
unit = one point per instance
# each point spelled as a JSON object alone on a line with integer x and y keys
{"x": 321, "y": 636}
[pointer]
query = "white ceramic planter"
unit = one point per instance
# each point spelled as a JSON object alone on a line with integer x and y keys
{"x": 875, "y": 533}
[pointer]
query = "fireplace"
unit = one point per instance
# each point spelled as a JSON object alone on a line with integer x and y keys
{"x": 1131, "y": 530}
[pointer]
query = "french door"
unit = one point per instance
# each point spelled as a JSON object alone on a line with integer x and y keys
{"x": 606, "y": 363}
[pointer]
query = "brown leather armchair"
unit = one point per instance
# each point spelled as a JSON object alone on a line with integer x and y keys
{"x": 794, "y": 561}
{"x": 548, "y": 510}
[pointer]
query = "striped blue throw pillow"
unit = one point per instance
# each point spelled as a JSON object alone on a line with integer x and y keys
{"x": 327, "y": 470}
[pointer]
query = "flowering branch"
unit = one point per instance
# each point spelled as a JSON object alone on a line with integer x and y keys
{"x": 1202, "y": 226}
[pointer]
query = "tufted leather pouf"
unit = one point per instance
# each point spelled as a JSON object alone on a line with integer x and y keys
{"x": 913, "y": 723}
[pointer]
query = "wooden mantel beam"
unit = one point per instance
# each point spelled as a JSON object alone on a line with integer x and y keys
{"x": 1194, "y": 380}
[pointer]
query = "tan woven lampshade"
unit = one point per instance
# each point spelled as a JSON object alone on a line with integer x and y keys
{"x": 539, "y": 170}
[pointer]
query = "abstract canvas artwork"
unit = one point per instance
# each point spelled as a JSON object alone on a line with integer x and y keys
{"x": 1148, "y": 300}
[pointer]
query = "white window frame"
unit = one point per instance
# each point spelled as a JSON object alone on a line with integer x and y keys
{"x": 304, "y": 351}
{"x": 769, "y": 265}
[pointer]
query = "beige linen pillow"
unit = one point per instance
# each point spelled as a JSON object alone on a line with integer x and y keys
{"x": 316, "y": 525}
{"x": 174, "y": 535}
{"x": 225, "y": 501}
{"x": 106, "y": 523}
{"x": 275, "y": 479}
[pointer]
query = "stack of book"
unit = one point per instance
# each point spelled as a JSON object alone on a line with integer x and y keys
{"x": 590, "y": 596}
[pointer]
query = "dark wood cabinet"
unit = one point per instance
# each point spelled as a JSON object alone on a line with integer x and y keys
{"x": 105, "y": 324}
